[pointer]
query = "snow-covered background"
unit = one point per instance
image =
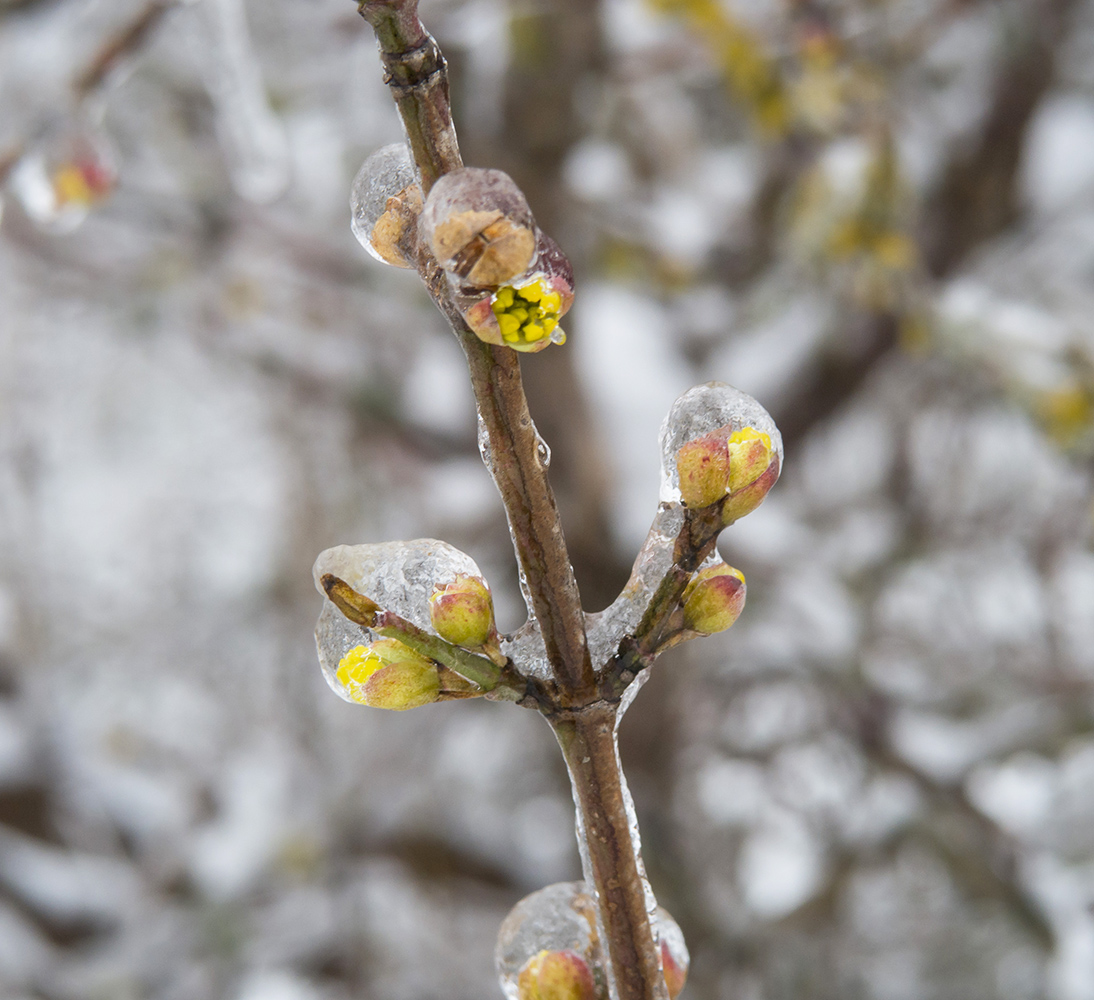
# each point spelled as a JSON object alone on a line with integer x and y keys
{"x": 876, "y": 217}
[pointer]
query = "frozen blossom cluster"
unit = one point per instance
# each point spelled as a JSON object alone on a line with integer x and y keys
{"x": 877, "y": 785}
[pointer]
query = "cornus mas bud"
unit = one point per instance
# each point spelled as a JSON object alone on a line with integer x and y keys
{"x": 479, "y": 227}
{"x": 714, "y": 598}
{"x": 386, "y": 202}
{"x": 718, "y": 445}
{"x": 703, "y": 467}
{"x": 387, "y": 674}
{"x": 556, "y": 975}
{"x": 462, "y": 612}
{"x": 525, "y": 315}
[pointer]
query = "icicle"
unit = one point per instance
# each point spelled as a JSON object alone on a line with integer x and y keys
{"x": 252, "y": 136}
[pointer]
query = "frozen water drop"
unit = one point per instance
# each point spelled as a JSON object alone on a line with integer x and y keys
{"x": 559, "y": 917}
{"x": 63, "y": 175}
{"x": 399, "y": 576}
{"x": 543, "y": 449}
{"x": 386, "y": 173}
{"x": 558, "y": 336}
{"x": 701, "y": 410}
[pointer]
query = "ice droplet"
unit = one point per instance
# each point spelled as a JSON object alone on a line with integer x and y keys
{"x": 543, "y": 449}
{"x": 63, "y": 175}
{"x": 385, "y": 173}
{"x": 252, "y": 136}
{"x": 399, "y": 576}
{"x": 701, "y": 410}
{"x": 556, "y": 918}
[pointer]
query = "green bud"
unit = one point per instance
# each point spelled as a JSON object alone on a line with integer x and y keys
{"x": 714, "y": 598}
{"x": 462, "y": 612}
{"x": 704, "y": 467}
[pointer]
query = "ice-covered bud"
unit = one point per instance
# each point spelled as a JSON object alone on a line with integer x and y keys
{"x": 714, "y": 598}
{"x": 69, "y": 171}
{"x": 525, "y": 315}
{"x": 387, "y": 674}
{"x": 478, "y": 224}
{"x": 702, "y": 466}
{"x": 386, "y": 202}
{"x": 675, "y": 977}
{"x": 556, "y": 975}
{"x": 718, "y": 442}
{"x": 748, "y": 498}
{"x": 462, "y": 612}
{"x": 750, "y": 454}
{"x": 557, "y": 920}
{"x": 675, "y": 959}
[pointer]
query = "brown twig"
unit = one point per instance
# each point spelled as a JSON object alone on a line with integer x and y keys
{"x": 584, "y": 725}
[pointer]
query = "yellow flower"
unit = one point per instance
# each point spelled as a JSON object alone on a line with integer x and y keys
{"x": 387, "y": 674}
{"x": 528, "y": 315}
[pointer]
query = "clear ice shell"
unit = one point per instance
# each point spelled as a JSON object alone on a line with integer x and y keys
{"x": 556, "y": 918}
{"x": 399, "y": 576}
{"x": 701, "y": 410}
{"x": 606, "y": 628}
{"x": 385, "y": 173}
{"x": 671, "y": 937}
{"x": 37, "y": 180}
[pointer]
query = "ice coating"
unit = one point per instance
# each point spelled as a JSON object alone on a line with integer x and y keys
{"x": 672, "y": 939}
{"x": 385, "y": 173}
{"x": 621, "y": 618}
{"x": 699, "y": 411}
{"x": 632, "y": 823}
{"x": 399, "y": 576}
{"x": 558, "y": 917}
{"x": 525, "y": 648}
{"x": 335, "y": 636}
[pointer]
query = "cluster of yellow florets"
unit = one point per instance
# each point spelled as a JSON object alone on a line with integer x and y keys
{"x": 528, "y": 314}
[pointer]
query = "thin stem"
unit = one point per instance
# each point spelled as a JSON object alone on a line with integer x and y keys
{"x": 516, "y": 462}
{"x": 417, "y": 74}
{"x": 611, "y": 859}
{"x": 418, "y": 78}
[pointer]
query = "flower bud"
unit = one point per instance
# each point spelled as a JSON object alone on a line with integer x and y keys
{"x": 478, "y": 224}
{"x": 750, "y": 454}
{"x": 704, "y": 469}
{"x": 556, "y": 975}
{"x": 749, "y": 497}
{"x": 386, "y": 202}
{"x": 714, "y": 598}
{"x": 462, "y": 612}
{"x": 388, "y": 674}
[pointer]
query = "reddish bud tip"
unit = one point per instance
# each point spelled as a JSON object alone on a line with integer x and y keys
{"x": 703, "y": 466}
{"x": 676, "y": 974}
{"x": 714, "y": 599}
{"x": 462, "y": 611}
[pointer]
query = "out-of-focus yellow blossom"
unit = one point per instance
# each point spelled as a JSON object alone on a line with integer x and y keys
{"x": 1067, "y": 412}
{"x": 750, "y": 72}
